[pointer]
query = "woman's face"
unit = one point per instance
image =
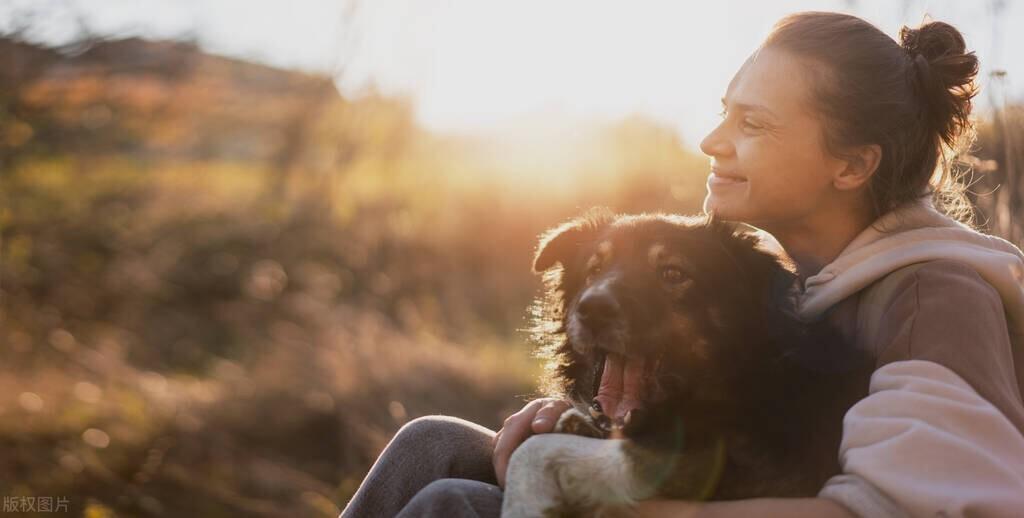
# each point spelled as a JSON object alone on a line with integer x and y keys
{"x": 769, "y": 165}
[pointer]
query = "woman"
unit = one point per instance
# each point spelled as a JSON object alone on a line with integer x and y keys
{"x": 831, "y": 134}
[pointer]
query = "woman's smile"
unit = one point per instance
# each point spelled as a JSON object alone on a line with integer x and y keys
{"x": 718, "y": 179}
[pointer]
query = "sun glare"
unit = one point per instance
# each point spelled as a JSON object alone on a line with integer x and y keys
{"x": 484, "y": 64}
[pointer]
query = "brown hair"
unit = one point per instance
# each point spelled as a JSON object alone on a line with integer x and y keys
{"x": 912, "y": 98}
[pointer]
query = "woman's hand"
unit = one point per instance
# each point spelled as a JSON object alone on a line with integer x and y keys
{"x": 538, "y": 416}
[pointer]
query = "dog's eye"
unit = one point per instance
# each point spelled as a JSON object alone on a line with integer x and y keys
{"x": 671, "y": 274}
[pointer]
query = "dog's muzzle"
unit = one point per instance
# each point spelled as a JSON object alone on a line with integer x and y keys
{"x": 621, "y": 376}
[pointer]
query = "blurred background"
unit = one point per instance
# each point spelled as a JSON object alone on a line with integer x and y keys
{"x": 241, "y": 243}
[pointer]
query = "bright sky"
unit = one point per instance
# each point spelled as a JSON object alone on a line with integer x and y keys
{"x": 478, "y": 64}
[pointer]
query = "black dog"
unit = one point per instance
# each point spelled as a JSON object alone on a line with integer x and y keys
{"x": 678, "y": 336}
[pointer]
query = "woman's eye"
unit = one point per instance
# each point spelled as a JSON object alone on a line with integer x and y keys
{"x": 723, "y": 114}
{"x": 672, "y": 274}
{"x": 752, "y": 125}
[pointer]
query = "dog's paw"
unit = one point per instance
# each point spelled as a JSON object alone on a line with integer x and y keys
{"x": 574, "y": 422}
{"x": 567, "y": 475}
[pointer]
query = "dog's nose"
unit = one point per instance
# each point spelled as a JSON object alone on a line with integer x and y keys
{"x": 597, "y": 308}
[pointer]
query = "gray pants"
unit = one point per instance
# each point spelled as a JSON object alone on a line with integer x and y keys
{"x": 434, "y": 466}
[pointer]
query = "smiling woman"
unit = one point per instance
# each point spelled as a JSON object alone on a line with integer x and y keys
{"x": 835, "y": 139}
{"x": 838, "y": 141}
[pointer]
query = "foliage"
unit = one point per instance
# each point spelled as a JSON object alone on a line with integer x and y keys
{"x": 224, "y": 286}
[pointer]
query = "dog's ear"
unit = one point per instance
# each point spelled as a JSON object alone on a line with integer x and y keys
{"x": 561, "y": 243}
{"x": 715, "y": 224}
{"x": 729, "y": 231}
{"x": 719, "y": 227}
{"x": 749, "y": 236}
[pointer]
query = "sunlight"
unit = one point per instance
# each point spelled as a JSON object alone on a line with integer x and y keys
{"x": 577, "y": 58}
{"x": 474, "y": 65}
{"x": 478, "y": 65}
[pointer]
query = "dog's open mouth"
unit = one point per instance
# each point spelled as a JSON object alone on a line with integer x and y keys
{"x": 621, "y": 388}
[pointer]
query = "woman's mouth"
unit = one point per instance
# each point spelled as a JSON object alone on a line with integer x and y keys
{"x": 719, "y": 178}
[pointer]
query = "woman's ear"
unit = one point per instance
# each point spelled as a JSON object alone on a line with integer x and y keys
{"x": 861, "y": 163}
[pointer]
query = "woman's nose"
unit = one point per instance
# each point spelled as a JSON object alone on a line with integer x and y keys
{"x": 716, "y": 143}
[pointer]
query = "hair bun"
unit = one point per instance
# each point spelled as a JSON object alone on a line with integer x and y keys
{"x": 945, "y": 73}
{"x": 933, "y": 40}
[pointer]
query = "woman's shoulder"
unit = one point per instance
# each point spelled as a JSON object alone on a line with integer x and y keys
{"x": 944, "y": 300}
{"x": 944, "y": 283}
{"x": 949, "y": 270}
{"x": 943, "y": 290}
{"x": 943, "y": 311}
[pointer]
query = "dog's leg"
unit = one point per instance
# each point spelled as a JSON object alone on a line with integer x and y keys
{"x": 557, "y": 474}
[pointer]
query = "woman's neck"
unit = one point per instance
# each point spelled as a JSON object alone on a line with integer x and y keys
{"x": 816, "y": 241}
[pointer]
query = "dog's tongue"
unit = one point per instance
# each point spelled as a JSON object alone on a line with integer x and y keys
{"x": 621, "y": 386}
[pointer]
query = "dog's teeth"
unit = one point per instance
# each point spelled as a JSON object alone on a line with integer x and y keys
{"x": 636, "y": 416}
{"x": 628, "y": 418}
{"x": 595, "y": 405}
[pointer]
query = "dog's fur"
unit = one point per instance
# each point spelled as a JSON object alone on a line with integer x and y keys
{"x": 741, "y": 398}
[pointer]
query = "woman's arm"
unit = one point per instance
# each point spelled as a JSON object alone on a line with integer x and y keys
{"x": 940, "y": 431}
{"x": 928, "y": 442}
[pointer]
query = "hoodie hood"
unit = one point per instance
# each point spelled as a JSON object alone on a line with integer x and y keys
{"x": 913, "y": 233}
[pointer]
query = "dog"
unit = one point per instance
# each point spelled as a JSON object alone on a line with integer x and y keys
{"x": 691, "y": 376}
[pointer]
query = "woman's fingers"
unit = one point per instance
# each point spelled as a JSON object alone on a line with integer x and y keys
{"x": 547, "y": 416}
{"x": 514, "y": 431}
{"x": 519, "y": 426}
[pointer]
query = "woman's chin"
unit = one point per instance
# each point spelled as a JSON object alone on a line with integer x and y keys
{"x": 722, "y": 209}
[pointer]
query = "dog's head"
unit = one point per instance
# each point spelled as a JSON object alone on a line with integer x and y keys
{"x": 651, "y": 309}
